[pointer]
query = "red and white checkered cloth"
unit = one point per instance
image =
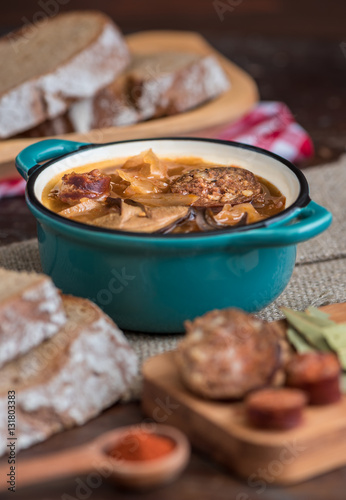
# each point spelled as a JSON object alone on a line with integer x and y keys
{"x": 12, "y": 187}
{"x": 270, "y": 125}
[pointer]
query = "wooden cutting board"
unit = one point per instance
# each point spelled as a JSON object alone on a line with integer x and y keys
{"x": 226, "y": 108}
{"x": 220, "y": 429}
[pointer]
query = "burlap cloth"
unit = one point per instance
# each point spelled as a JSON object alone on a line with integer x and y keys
{"x": 319, "y": 277}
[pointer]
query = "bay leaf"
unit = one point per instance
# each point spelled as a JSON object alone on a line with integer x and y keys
{"x": 336, "y": 335}
{"x": 343, "y": 383}
{"x": 298, "y": 341}
{"x": 310, "y": 327}
{"x": 319, "y": 315}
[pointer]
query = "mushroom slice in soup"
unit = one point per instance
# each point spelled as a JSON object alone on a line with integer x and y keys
{"x": 241, "y": 214}
{"x": 203, "y": 222}
{"x": 156, "y": 219}
{"x": 166, "y": 218}
{"x": 166, "y": 199}
{"x": 130, "y": 210}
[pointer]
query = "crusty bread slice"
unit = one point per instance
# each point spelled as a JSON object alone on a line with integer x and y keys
{"x": 31, "y": 310}
{"x": 172, "y": 82}
{"x": 56, "y": 126}
{"x": 111, "y": 107}
{"x": 69, "y": 378}
{"x": 68, "y": 57}
{"x": 154, "y": 85}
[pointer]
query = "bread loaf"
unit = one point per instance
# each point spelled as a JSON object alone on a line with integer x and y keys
{"x": 111, "y": 107}
{"x": 57, "y": 126}
{"x": 31, "y": 310}
{"x": 172, "y": 82}
{"x": 69, "y": 57}
{"x": 69, "y": 378}
{"x": 153, "y": 86}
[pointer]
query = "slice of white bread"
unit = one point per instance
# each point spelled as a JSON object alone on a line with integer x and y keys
{"x": 68, "y": 57}
{"x": 31, "y": 310}
{"x": 154, "y": 85}
{"x": 86, "y": 367}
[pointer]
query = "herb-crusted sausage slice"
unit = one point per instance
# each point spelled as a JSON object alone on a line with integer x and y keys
{"x": 219, "y": 185}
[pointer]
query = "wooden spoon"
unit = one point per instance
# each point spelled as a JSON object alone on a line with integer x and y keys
{"x": 95, "y": 457}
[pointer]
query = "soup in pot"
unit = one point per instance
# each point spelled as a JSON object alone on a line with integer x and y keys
{"x": 147, "y": 194}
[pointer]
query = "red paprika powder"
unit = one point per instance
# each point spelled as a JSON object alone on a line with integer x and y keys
{"x": 140, "y": 445}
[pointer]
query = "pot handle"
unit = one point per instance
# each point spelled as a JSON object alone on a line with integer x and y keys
{"x": 45, "y": 150}
{"x": 309, "y": 222}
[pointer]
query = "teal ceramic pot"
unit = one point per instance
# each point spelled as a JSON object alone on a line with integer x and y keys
{"x": 153, "y": 283}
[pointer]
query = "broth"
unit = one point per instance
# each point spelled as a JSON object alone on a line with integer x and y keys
{"x": 148, "y": 194}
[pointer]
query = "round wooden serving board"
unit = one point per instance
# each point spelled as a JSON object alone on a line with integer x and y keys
{"x": 241, "y": 96}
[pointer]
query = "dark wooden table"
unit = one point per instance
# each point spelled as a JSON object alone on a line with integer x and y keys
{"x": 202, "y": 480}
{"x": 310, "y": 76}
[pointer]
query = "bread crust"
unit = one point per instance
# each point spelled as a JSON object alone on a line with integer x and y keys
{"x": 70, "y": 378}
{"x": 49, "y": 95}
{"x": 147, "y": 93}
{"x": 155, "y": 92}
{"x": 28, "y": 317}
{"x": 136, "y": 96}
